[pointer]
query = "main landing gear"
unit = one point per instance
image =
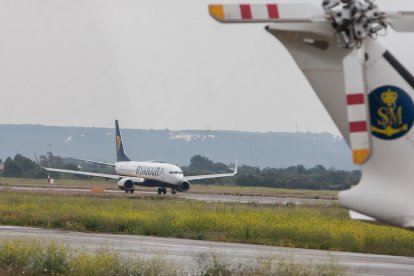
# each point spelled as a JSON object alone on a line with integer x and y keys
{"x": 162, "y": 190}
{"x": 129, "y": 191}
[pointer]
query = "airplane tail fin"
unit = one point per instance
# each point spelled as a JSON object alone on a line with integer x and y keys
{"x": 120, "y": 153}
{"x": 385, "y": 191}
{"x": 372, "y": 105}
{"x": 379, "y": 119}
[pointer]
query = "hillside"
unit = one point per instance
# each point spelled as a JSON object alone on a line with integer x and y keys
{"x": 255, "y": 149}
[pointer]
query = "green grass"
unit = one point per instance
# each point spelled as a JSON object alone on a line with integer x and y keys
{"x": 263, "y": 191}
{"x": 38, "y": 257}
{"x": 319, "y": 227}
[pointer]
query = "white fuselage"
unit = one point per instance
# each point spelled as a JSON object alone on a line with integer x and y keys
{"x": 163, "y": 172}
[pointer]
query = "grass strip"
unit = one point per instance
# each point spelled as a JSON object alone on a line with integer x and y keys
{"x": 37, "y": 257}
{"x": 318, "y": 227}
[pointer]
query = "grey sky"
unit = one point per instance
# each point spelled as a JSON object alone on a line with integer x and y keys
{"x": 154, "y": 64}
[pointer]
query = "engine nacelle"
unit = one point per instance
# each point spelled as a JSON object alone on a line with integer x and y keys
{"x": 126, "y": 184}
{"x": 184, "y": 187}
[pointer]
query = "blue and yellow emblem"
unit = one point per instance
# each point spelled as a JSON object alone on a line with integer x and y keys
{"x": 392, "y": 112}
{"x": 118, "y": 142}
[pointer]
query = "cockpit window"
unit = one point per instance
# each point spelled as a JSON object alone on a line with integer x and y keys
{"x": 176, "y": 172}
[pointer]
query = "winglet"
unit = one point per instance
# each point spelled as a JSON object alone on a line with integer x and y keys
{"x": 235, "y": 167}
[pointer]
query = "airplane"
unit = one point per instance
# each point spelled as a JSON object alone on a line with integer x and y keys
{"x": 149, "y": 173}
{"x": 365, "y": 89}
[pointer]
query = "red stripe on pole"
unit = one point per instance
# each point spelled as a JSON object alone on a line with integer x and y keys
{"x": 273, "y": 11}
{"x": 245, "y": 11}
{"x": 358, "y": 126}
{"x": 355, "y": 99}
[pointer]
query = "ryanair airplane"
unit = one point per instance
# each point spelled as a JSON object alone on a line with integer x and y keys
{"x": 149, "y": 174}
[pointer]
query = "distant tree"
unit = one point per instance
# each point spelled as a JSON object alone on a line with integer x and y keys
{"x": 292, "y": 169}
{"x": 220, "y": 167}
{"x": 301, "y": 169}
{"x": 37, "y": 172}
{"x": 198, "y": 163}
{"x": 249, "y": 170}
{"x": 24, "y": 163}
{"x": 318, "y": 169}
{"x": 246, "y": 180}
{"x": 11, "y": 169}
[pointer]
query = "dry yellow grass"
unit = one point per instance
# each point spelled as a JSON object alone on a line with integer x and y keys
{"x": 319, "y": 227}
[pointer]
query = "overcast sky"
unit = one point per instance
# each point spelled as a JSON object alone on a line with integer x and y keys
{"x": 154, "y": 64}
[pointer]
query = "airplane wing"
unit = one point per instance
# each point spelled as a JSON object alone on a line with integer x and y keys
{"x": 199, "y": 177}
{"x": 103, "y": 175}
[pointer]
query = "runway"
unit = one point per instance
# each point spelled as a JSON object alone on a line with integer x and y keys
{"x": 186, "y": 252}
{"x": 191, "y": 196}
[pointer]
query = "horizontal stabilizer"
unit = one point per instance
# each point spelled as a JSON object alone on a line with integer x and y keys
{"x": 402, "y": 21}
{"x": 96, "y": 162}
{"x": 103, "y": 175}
{"x": 357, "y": 216}
{"x": 239, "y": 13}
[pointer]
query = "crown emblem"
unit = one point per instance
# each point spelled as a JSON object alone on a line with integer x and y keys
{"x": 391, "y": 117}
{"x": 389, "y": 97}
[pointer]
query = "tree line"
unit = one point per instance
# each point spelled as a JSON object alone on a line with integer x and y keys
{"x": 293, "y": 177}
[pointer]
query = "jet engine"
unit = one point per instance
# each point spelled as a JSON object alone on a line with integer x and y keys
{"x": 184, "y": 187}
{"x": 126, "y": 184}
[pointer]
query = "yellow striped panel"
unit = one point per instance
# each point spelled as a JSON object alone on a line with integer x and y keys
{"x": 216, "y": 11}
{"x": 360, "y": 156}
